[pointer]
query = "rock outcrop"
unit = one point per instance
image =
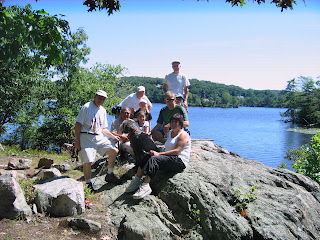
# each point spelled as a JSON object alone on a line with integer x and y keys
{"x": 13, "y": 204}
{"x": 60, "y": 197}
{"x": 201, "y": 202}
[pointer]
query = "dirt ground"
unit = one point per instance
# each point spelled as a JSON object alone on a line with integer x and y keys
{"x": 42, "y": 227}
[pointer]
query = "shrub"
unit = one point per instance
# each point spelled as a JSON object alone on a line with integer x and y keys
{"x": 307, "y": 158}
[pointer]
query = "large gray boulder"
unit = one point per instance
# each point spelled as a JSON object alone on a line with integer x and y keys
{"x": 60, "y": 197}
{"x": 12, "y": 201}
{"x": 200, "y": 203}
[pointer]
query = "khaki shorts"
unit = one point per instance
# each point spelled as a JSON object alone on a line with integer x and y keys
{"x": 93, "y": 144}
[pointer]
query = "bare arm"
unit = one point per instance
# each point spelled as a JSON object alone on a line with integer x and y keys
{"x": 186, "y": 91}
{"x": 109, "y": 134}
{"x": 77, "y": 135}
{"x": 181, "y": 142}
{"x": 156, "y": 127}
{"x": 164, "y": 88}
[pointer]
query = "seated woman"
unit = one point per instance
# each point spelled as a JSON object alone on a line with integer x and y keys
{"x": 175, "y": 158}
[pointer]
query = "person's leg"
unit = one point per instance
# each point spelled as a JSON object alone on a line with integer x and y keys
{"x": 127, "y": 148}
{"x": 87, "y": 154}
{"x": 87, "y": 171}
{"x": 136, "y": 181}
{"x": 110, "y": 177}
{"x": 112, "y": 154}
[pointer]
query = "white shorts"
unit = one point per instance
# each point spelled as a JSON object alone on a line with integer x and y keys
{"x": 91, "y": 144}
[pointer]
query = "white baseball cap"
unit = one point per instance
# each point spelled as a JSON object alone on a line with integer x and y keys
{"x": 141, "y": 89}
{"x": 101, "y": 93}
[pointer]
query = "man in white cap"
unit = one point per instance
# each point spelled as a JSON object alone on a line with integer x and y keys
{"x": 132, "y": 101}
{"x": 177, "y": 83}
{"x": 91, "y": 126}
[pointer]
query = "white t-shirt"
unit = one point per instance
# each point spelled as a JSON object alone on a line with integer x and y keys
{"x": 132, "y": 101}
{"x": 176, "y": 83}
{"x": 92, "y": 118}
{"x": 145, "y": 125}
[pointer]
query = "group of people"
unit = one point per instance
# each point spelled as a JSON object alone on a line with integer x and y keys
{"x": 92, "y": 135}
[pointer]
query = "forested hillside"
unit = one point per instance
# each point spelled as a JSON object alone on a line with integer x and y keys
{"x": 210, "y": 94}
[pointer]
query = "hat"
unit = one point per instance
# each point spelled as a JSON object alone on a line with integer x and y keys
{"x": 179, "y": 95}
{"x": 143, "y": 100}
{"x": 141, "y": 89}
{"x": 101, "y": 93}
{"x": 175, "y": 61}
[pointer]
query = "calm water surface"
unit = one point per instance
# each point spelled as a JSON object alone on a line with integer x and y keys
{"x": 255, "y": 133}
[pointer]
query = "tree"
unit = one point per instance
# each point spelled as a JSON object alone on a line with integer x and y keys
{"x": 30, "y": 43}
{"x": 112, "y": 6}
{"x": 307, "y": 158}
{"x": 303, "y": 101}
{"x": 71, "y": 93}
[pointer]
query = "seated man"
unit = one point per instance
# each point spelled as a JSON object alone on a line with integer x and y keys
{"x": 124, "y": 143}
{"x": 163, "y": 123}
{"x": 91, "y": 126}
{"x": 132, "y": 101}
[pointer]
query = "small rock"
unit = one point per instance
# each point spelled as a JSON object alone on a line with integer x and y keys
{"x": 62, "y": 167}
{"x": 45, "y": 163}
{"x": 51, "y": 173}
{"x": 19, "y": 164}
{"x": 84, "y": 224}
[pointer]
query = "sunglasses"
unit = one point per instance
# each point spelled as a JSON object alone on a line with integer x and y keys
{"x": 169, "y": 100}
{"x": 126, "y": 113}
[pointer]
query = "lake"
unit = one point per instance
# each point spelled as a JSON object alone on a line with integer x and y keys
{"x": 254, "y": 133}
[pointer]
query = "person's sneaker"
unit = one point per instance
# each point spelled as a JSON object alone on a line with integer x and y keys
{"x": 144, "y": 190}
{"x": 134, "y": 185}
{"x": 111, "y": 178}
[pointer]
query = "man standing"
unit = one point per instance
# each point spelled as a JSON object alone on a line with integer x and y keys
{"x": 91, "y": 126}
{"x": 178, "y": 84}
{"x": 132, "y": 101}
{"x": 163, "y": 122}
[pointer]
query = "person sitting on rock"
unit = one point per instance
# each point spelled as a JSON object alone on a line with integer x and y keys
{"x": 163, "y": 123}
{"x": 142, "y": 123}
{"x": 175, "y": 158}
{"x": 143, "y": 107}
{"x": 124, "y": 143}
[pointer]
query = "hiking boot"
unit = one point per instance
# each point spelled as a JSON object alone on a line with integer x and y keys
{"x": 111, "y": 178}
{"x": 134, "y": 184}
{"x": 143, "y": 191}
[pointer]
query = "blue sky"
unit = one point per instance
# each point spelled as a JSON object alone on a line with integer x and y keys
{"x": 255, "y": 46}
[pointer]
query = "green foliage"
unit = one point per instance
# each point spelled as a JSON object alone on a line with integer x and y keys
{"x": 242, "y": 199}
{"x": 282, "y": 165}
{"x": 29, "y": 191}
{"x": 302, "y": 98}
{"x": 307, "y": 158}
{"x": 210, "y": 94}
{"x": 112, "y": 6}
{"x": 195, "y": 212}
{"x": 87, "y": 191}
{"x": 72, "y": 92}
{"x": 30, "y": 43}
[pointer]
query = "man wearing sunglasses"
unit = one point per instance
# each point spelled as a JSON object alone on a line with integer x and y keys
{"x": 177, "y": 83}
{"x": 163, "y": 123}
{"x": 124, "y": 143}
